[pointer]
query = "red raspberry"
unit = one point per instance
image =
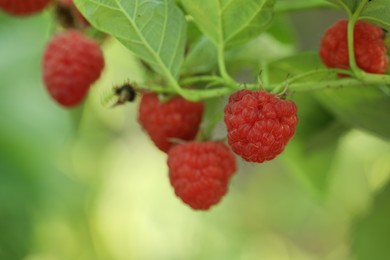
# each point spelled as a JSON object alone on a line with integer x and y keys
{"x": 200, "y": 172}
{"x": 370, "y": 50}
{"x": 176, "y": 118}
{"x": 71, "y": 63}
{"x": 23, "y": 7}
{"x": 259, "y": 124}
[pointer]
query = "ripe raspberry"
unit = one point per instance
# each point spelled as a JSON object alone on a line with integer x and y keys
{"x": 370, "y": 50}
{"x": 23, "y": 7}
{"x": 176, "y": 118}
{"x": 71, "y": 63}
{"x": 200, "y": 172}
{"x": 259, "y": 124}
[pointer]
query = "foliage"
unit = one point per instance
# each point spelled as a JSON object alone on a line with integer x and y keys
{"x": 201, "y": 50}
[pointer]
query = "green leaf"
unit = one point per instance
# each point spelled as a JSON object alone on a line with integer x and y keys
{"x": 230, "y": 22}
{"x": 283, "y": 30}
{"x": 300, "y": 5}
{"x": 312, "y": 151}
{"x": 349, "y": 5}
{"x": 371, "y": 233}
{"x": 201, "y": 58}
{"x": 294, "y": 65}
{"x": 366, "y": 108}
{"x": 193, "y": 34}
{"x": 377, "y": 12}
{"x": 154, "y": 30}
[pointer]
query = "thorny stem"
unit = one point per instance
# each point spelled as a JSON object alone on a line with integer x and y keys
{"x": 279, "y": 88}
{"x": 293, "y": 86}
{"x": 369, "y": 79}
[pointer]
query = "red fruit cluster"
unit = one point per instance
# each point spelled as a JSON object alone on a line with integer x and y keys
{"x": 71, "y": 63}
{"x": 259, "y": 124}
{"x": 259, "y": 127}
{"x": 173, "y": 119}
{"x": 369, "y": 47}
{"x": 200, "y": 172}
{"x": 23, "y": 7}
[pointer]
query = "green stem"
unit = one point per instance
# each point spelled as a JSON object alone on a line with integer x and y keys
{"x": 279, "y": 88}
{"x": 288, "y": 6}
{"x": 222, "y": 67}
{"x": 264, "y": 77}
{"x": 175, "y": 86}
{"x": 369, "y": 79}
{"x": 193, "y": 80}
{"x": 334, "y": 84}
{"x": 351, "y": 49}
{"x": 160, "y": 89}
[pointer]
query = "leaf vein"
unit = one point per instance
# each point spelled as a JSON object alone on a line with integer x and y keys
{"x": 226, "y": 6}
{"x": 104, "y": 5}
{"x": 246, "y": 24}
{"x": 170, "y": 64}
{"x": 164, "y": 29}
{"x": 153, "y": 53}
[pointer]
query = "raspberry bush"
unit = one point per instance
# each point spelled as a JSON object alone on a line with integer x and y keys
{"x": 190, "y": 64}
{"x": 211, "y": 94}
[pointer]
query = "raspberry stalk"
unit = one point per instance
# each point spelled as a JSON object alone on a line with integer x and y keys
{"x": 351, "y": 49}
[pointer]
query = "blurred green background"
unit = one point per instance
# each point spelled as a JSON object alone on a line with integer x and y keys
{"x": 87, "y": 183}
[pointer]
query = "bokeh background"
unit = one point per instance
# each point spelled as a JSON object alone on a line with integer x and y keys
{"x": 87, "y": 183}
